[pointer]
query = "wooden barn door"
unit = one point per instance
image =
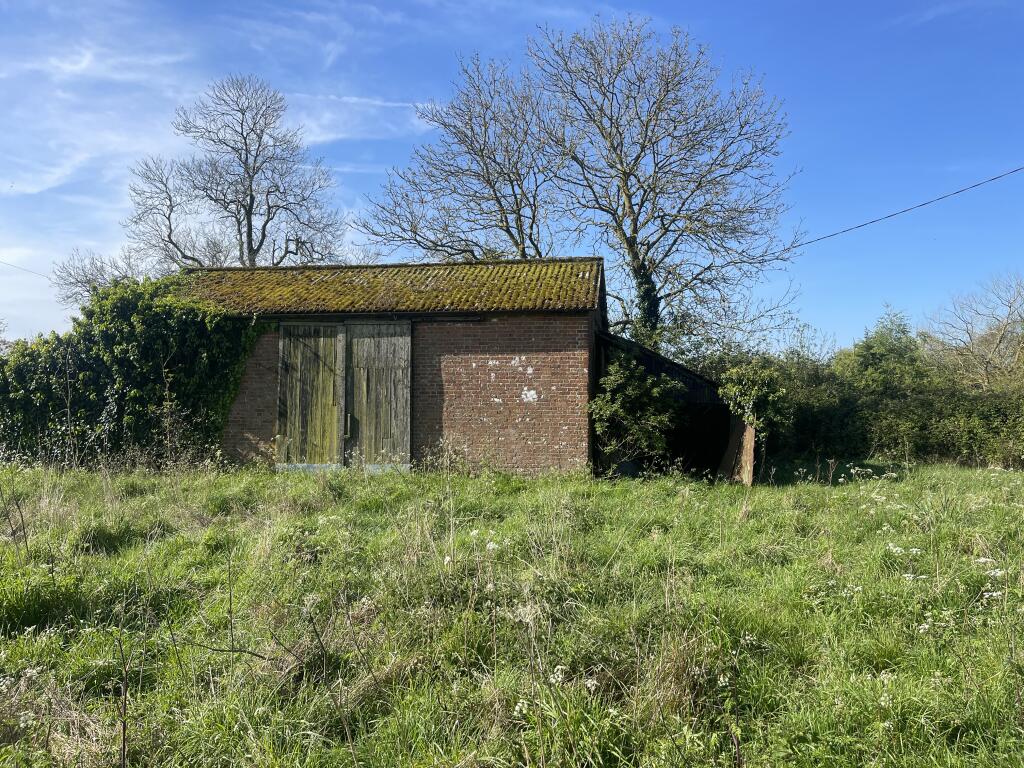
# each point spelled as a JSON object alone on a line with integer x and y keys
{"x": 377, "y": 423}
{"x": 311, "y": 397}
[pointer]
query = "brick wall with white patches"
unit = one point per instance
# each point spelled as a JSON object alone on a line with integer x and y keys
{"x": 510, "y": 392}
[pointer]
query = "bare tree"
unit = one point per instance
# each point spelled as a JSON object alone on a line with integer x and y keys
{"x": 626, "y": 140}
{"x": 485, "y": 188}
{"x": 676, "y": 176}
{"x": 981, "y": 334}
{"x": 85, "y": 270}
{"x": 250, "y": 196}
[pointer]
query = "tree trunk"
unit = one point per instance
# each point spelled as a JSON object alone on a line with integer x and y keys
{"x": 647, "y": 320}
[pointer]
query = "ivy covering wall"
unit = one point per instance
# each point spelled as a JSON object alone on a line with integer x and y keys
{"x": 145, "y": 372}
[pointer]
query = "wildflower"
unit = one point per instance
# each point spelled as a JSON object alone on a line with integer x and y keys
{"x": 309, "y": 604}
{"x": 885, "y": 701}
{"x": 521, "y": 707}
{"x": 559, "y": 675}
{"x": 591, "y": 684}
{"x": 491, "y": 546}
{"x": 995, "y": 573}
{"x": 984, "y": 560}
{"x": 896, "y": 550}
{"x": 914, "y": 551}
{"x": 474, "y": 533}
{"x": 447, "y": 559}
{"x": 526, "y": 613}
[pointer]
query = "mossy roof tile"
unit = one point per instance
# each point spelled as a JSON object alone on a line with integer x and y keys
{"x": 556, "y": 285}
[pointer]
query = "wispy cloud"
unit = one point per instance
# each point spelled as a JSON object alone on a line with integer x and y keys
{"x": 937, "y": 11}
{"x": 327, "y": 117}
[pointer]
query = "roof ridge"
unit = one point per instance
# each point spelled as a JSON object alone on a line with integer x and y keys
{"x": 402, "y": 264}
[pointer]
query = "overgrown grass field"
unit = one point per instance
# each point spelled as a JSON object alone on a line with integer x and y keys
{"x": 209, "y": 618}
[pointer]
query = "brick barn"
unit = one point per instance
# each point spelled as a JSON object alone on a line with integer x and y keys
{"x": 380, "y": 365}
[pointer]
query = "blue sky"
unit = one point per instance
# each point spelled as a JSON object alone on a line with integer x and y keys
{"x": 889, "y": 103}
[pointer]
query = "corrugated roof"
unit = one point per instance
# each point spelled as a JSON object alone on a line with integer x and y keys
{"x": 555, "y": 285}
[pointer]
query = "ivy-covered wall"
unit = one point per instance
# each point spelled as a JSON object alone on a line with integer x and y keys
{"x": 145, "y": 371}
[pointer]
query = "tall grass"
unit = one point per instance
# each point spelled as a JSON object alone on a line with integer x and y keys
{"x": 248, "y": 618}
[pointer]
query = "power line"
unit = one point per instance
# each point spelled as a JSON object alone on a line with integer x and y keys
{"x": 24, "y": 269}
{"x": 905, "y": 210}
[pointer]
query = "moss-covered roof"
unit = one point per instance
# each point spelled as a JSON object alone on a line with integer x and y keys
{"x": 543, "y": 285}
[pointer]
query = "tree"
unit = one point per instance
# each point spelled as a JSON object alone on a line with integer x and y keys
{"x": 251, "y": 195}
{"x": 83, "y": 271}
{"x": 897, "y": 394}
{"x": 980, "y": 336}
{"x": 628, "y": 142}
{"x": 676, "y": 176}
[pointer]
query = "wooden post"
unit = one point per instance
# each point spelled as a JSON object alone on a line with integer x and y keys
{"x": 738, "y": 460}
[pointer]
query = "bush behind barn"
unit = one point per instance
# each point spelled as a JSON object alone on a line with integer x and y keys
{"x": 888, "y": 396}
{"x": 143, "y": 371}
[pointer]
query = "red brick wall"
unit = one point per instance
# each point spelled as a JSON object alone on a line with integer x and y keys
{"x": 249, "y": 432}
{"x": 510, "y": 391}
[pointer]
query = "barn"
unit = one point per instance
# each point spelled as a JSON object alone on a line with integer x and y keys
{"x": 381, "y": 365}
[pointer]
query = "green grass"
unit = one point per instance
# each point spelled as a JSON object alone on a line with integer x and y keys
{"x": 248, "y": 618}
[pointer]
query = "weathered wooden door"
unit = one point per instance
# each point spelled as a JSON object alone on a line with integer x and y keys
{"x": 311, "y": 396}
{"x": 377, "y": 421}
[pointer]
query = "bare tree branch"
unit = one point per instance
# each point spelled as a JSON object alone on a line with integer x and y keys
{"x": 485, "y": 188}
{"x": 77, "y": 276}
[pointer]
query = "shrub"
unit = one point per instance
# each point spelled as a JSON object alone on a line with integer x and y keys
{"x": 887, "y": 397}
{"x": 634, "y": 413}
{"x": 144, "y": 370}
